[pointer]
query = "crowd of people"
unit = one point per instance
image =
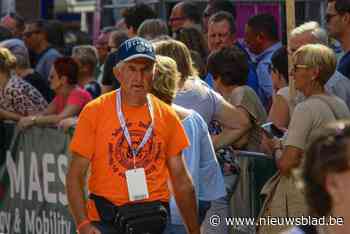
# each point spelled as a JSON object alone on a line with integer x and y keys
{"x": 159, "y": 109}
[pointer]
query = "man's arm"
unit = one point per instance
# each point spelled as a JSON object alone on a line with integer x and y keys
{"x": 184, "y": 193}
{"x": 75, "y": 183}
{"x": 235, "y": 123}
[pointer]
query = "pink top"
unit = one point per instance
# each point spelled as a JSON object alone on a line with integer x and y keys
{"x": 78, "y": 97}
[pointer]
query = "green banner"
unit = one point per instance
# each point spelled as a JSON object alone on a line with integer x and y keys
{"x": 32, "y": 181}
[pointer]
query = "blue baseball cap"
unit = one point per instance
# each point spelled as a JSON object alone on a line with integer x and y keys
{"x": 133, "y": 48}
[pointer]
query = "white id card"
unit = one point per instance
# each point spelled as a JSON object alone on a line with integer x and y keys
{"x": 137, "y": 185}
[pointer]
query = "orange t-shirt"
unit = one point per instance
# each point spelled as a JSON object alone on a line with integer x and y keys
{"x": 99, "y": 138}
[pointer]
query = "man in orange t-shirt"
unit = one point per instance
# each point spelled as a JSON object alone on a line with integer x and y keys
{"x": 133, "y": 143}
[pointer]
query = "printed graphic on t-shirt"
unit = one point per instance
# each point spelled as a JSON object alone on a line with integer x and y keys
{"x": 120, "y": 157}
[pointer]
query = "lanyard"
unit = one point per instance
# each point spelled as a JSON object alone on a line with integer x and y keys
{"x": 125, "y": 128}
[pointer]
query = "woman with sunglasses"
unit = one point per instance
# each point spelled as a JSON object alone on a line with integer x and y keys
{"x": 313, "y": 65}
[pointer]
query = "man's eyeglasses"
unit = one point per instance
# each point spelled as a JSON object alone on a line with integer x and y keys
{"x": 30, "y": 33}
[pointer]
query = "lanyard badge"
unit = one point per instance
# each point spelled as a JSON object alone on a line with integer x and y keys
{"x": 136, "y": 178}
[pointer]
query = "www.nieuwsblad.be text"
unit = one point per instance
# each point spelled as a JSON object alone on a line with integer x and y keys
{"x": 216, "y": 220}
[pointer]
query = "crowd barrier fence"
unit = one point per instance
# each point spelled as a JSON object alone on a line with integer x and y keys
{"x": 33, "y": 165}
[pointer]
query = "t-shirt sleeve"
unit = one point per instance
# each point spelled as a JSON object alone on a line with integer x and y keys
{"x": 79, "y": 98}
{"x": 177, "y": 139}
{"x": 218, "y": 101}
{"x": 83, "y": 141}
{"x": 211, "y": 186}
{"x": 300, "y": 127}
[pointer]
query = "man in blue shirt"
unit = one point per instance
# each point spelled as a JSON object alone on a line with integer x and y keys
{"x": 338, "y": 25}
{"x": 221, "y": 34}
{"x": 35, "y": 37}
{"x": 261, "y": 39}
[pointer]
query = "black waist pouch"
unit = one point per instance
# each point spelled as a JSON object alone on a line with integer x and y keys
{"x": 139, "y": 218}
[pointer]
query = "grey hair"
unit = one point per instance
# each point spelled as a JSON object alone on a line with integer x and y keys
{"x": 315, "y": 29}
{"x": 86, "y": 54}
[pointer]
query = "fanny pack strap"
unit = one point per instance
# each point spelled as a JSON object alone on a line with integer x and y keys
{"x": 106, "y": 209}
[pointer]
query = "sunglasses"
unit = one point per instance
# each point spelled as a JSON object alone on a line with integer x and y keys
{"x": 297, "y": 66}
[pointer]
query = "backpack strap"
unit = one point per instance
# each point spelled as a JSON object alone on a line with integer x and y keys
{"x": 325, "y": 100}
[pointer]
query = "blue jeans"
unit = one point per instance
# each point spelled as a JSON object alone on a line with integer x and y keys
{"x": 203, "y": 207}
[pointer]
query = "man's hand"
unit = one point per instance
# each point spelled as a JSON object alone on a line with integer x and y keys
{"x": 89, "y": 229}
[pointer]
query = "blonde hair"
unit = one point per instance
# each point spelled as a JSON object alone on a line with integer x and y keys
{"x": 317, "y": 56}
{"x": 152, "y": 28}
{"x": 180, "y": 53}
{"x": 7, "y": 61}
{"x": 166, "y": 79}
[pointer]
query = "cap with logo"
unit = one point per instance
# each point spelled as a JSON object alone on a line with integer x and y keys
{"x": 133, "y": 48}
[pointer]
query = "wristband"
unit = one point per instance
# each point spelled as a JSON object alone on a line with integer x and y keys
{"x": 33, "y": 119}
{"x": 82, "y": 224}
